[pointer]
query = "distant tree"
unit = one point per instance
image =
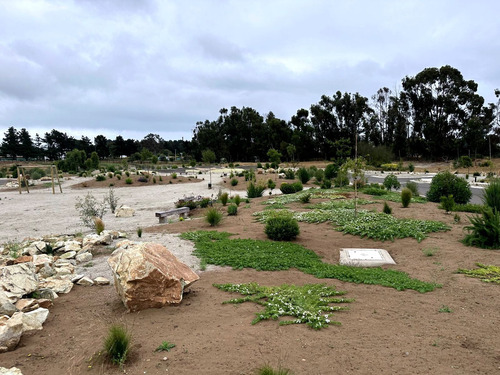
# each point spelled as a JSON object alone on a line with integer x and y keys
{"x": 274, "y": 156}
{"x": 208, "y": 156}
{"x": 10, "y": 143}
{"x": 101, "y": 146}
{"x": 153, "y": 142}
{"x": 26, "y": 147}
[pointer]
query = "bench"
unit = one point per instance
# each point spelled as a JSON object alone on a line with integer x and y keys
{"x": 181, "y": 211}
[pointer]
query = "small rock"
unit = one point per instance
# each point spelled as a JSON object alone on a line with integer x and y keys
{"x": 10, "y": 371}
{"x": 85, "y": 281}
{"x": 23, "y": 259}
{"x": 33, "y": 320}
{"x": 27, "y": 304}
{"x": 46, "y": 293}
{"x": 72, "y": 246}
{"x": 77, "y": 277}
{"x": 84, "y": 257}
{"x": 44, "y": 302}
{"x": 41, "y": 259}
{"x": 101, "y": 281}
{"x": 68, "y": 255}
{"x": 18, "y": 280}
{"x": 46, "y": 271}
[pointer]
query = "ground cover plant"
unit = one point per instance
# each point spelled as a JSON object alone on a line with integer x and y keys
{"x": 217, "y": 248}
{"x": 369, "y": 224}
{"x": 297, "y": 197}
{"x": 392, "y": 196}
{"x": 309, "y": 304}
{"x": 268, "y": 370}
{"x": 487, "y": 273}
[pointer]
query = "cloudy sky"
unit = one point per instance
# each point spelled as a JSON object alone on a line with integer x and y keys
{"x": 133, "y": 67}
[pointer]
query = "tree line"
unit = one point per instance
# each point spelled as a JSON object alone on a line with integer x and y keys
{"x": 436, "y": 115}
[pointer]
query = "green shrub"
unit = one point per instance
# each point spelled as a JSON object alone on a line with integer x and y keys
{"x": 112, "y": 200}
{"x": 342, "y": 179}
{"x": 484, "y": 230}
{"x": 287, "y": 188}
{"x": 387, "y": 209}
{"x": 370, "y": 190}
{"x": 142, "y": 179}
{"x": 391, "y": 181}
{"x": 89, "y": 209}
{"x": 411, "y": 167}
{"x": 446, "y": 183}
{"x": 331, "y": 171}
{"x": 268, "y": 370}
{"x": 289, "y": 174}
{"x": 118, "y": 177}
{"x": 303, "y": 175}
{"x": 491, "y": 197}
{"x": 326, "y": 184}
{"x": 232, "y": 209}
{"x": 255, "y": 191}
{"x": 447, "y": 203}
{"x": 405, "y": 197}
{"x": 319, "y": 174}
{"x": 237, "y": 200}
{"x": 224, "y": 197}
{"x": 297, "y": 186}
{"x": 174, "y": 175}
{"x": 306, "y": 198}
{"x": 282, "y": 228}
{"x": 128, "y": 181}
{"x": 413, "y": 186}
{"x": 100, "y": 177}
{"x": 139, "y": 232}
{"x": 204, "y": 202}
{"x": 117, "y": 344}
{"x": 234, "y": 182}
{"x": 213, "y": 216}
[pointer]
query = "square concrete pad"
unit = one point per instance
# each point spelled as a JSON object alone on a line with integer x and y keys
{"x": 365, "y": 257}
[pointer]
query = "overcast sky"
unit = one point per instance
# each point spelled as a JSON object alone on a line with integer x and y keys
{"x": 133, "y": 67}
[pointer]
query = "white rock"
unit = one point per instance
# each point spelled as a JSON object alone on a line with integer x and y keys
{"x": 10, "y": 371}
{"x": 33, "y": 320}
{"x": 101, "y": 281}
{"x": 40, "y": 259}
{"x": 77, "y": 277}
{"x": 84, "y": 257}
{"x": 124, "y": 211}
{"x": 68, "y": 255}
{"x": 10, "y": 331}
{"x": 57, "y": 284}
{"x": 46, "y": 271}
{"x": 6, "y": 306}
{"x": 27, "y": 304}
{"x": 18, "y": 280}
{"x": 85, "y": 281}
{"x": 72, "y": 246}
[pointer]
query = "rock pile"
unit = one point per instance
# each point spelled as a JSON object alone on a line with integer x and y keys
{"x": 33, "y": 273}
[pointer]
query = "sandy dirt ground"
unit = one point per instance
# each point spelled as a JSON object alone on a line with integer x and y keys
{"x": 384, "y": 331}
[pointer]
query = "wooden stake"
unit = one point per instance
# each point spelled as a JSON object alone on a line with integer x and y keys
{"x": 58, "y": 181}
{"x": 25, "y": 180}
{"x": 52, "y": 178}
{"x": 19, "y": 180}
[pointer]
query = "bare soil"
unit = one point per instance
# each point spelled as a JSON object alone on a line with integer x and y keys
{"x": 384, "y": 331}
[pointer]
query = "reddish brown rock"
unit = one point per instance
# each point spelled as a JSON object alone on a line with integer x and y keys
{"x": 23, "y": 259}
{"x": 148, "y": 275}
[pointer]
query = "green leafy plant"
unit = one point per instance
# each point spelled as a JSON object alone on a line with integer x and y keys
{"x": 112, "y": 200}
{"x": 255, "y": 191}
{"x": 204, "y": 202}
{"x": 213, "y": 216}
{"x": 237, "y": 200}
{"x": 282, "y": 227}
{"x": 165, "y": 346}
{"x": 488, "y": 274}
{"x": 309, "y": 304}
{"x": 216, "y": 248}
{"x": 413, "y": 186}
{"x": 444, "y": 309}
{"x": 128, "y": 181}
{"x": 391, "y": 181}
{"x": 13, "y": 248}
{"x": 305, "y": 198}
{"x": 100, "y": 177}
{"x": 491, "y": 197}
{"x": 268, "y": 370}
{"x": 224, "y": 197}
{"x": 174, "y": 175}
{"x": 303, "y": 175}
{"x": 406, "y": 197}
{"x": 430, "y": 251}
{"x": 234, "y": 182}
{"x": 117, "y": 344}
{"x": 387, "y": 209}
{"x": 484, "y": 230}
{"x": 232, "y": 209}
{"x": 446, "y": 183}
{"x": 447, "y": 203}
{"x": 457, "y": 218}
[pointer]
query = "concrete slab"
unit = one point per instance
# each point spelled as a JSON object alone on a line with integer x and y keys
{"x": 365, "y": 257}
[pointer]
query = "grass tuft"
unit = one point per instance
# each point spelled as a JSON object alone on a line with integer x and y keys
{"x": 117, "y": 344}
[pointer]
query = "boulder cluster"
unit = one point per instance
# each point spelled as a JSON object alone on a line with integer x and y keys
{"x": 34, "y": 272}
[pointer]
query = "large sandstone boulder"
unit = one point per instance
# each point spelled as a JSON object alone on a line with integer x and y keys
{"x": 10, "y": 331}
{"x": 148, "y": 275}
{"x": 18, "y": 280}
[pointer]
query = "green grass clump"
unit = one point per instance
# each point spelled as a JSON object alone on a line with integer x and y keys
{"x": 468, "y": 207}
{"x": 255, "y": 191}
{"x": 268, "y": 370}
{"x": 213, "y": 216}
{"x": 488, "y": 274}
{"x": 406, "y": 195}
{"x": 237, "y": 200}
{"x": 117, "y": 344}
{"x": 387, "y": 209}
{"x": 128, "y": 181}
{"x": 216, "y": 248}
{"x": 165, "y": 347}
{"x": 484, "y": 230}
{"x": 309, "y": 304}
{"x": 232, "y": 209}
{"x": 282, "y": 228}
{"x": 224, "y": 197}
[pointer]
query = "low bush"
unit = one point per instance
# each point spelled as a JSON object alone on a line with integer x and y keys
{"x": 255, "y": 191}
{"x": 491, "y": 197}
{"x": 142, "y": 179}
{"x": 306, "y": 198}
{"x": 213, "y": 216}
{"x": 117, "y": 344}
{"x": 331, "y": 171}
{"x": 342, "y": 179}
{"x": 391, "y": 181}
{"x": 447, "y": 203}
{"x": 100, "y": 177}
{"x": 413, "y": 186}
{"x": 405, "y": 197}
{"x": 234, "y": 182}
{"x": 446, "y": 183}
{"x": 224, "y": 197}
{"x": 128, "y": 181}
{"x": 387, "y": 209}
{"x": 174, "y": 175}
{"x": 287, "y": 188}
{"x": 484, "y": 230}
{"x": 99, "y": 225}
{"x": 232, "y": 209}
{"x": 326, "y": 184}
{"x": 289, "y": 174}
{"x": 282, "y": 228}
{"x": 303, "y": 175}
{"x": 89, "y": 209}
{"x": 112, "y": 200}
{"x": 204, "y": 202}
{"x": 237, "y": 200}
{"x": 374, "y": 191}
{"x": 298, "y": 186}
